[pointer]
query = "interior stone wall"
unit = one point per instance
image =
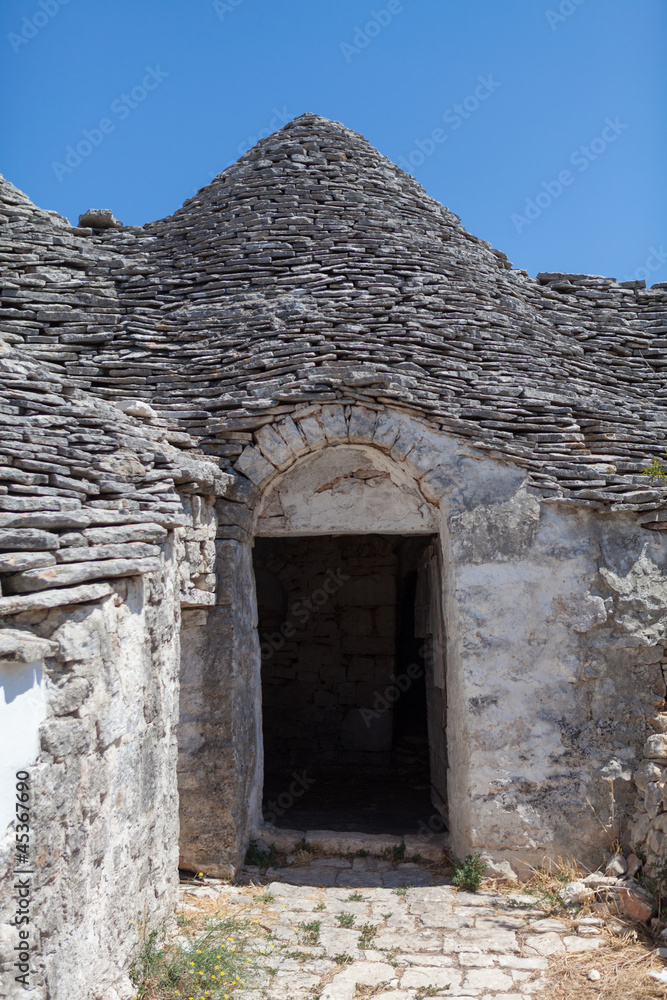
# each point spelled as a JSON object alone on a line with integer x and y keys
{"x": 327, "y": 611}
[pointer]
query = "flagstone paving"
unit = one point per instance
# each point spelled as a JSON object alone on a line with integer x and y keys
{"x": 342, "y": 928}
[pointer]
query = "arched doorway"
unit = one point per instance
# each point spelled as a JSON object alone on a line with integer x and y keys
{"x": 353, "y": 694}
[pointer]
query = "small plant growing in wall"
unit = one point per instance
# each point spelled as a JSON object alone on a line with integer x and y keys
{"x": 654, "y": 881}
{"x": 468, "y": 874}
{"x": 656, "y": 471}
{"x": 255, "y": 856}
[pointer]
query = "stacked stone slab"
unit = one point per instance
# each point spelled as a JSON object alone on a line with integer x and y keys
{"x": 106, "y": 530}
{"x": 311, "y": 296}
{"x": 314, "y": 269}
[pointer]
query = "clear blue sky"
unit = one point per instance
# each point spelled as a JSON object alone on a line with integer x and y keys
{"x": 203, "y": 78}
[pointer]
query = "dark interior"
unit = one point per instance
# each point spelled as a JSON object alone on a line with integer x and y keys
{"x": 346, "y": 737}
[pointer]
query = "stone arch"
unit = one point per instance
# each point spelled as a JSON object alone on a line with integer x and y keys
{"x": 517, "y": 569}
{"x": 422, "y": 453}
{"x": 348, "y": 488}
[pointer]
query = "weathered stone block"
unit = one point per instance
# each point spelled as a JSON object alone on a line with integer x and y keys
{"x": 362, "y": 425}
{"x": 334, "y": 424}
{"x": 254, "y": 465}
{"x": 273, "y": 447}
{"x": 656, "y": 747}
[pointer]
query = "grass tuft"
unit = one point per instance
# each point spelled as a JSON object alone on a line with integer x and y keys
{"x": 216, "y": 956}
{"x": 310, "y": 933}
{"x": 368, "y": 932}
{"x": 468, "y": 874}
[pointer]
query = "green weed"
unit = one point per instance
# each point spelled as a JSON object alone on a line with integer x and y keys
{"x": 368, "y": 932}
{"x": 395, "y": 853}
{"x": 656, "y": 471}
{"x": 310, "y": 933}
{"x": 263, "y": 859}
{"x": 468, "y": 874}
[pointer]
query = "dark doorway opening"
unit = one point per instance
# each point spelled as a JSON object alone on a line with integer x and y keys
{"x": 345, "y": 674}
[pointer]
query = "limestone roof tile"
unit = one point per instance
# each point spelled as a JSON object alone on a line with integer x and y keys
{"x": 314, "y": 269}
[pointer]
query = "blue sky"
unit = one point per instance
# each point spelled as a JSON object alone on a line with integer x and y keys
{"x": 556, "y": 153}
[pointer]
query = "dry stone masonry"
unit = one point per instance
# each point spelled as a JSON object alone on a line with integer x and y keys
{"x": 311, "y": 346}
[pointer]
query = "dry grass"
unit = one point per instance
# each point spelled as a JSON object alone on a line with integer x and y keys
{"x": 624, "y": 965}
{"x": 364, "y": 990}
{"x": 624, "y": 959}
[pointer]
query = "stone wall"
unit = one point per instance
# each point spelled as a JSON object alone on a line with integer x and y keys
{"x": 553, "y": 678}
{"x": 91, "y": 693}
{"x": 104, "y": 815}
{"x": 327, "y": 633}
{"x": 553, "y": 616}
{"x": 220, "y": 743}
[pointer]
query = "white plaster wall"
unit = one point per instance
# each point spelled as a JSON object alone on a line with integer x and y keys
{"x": 22, "y": 710}
{"x": 544, "y": 702}
{"x": 351, "y": 489}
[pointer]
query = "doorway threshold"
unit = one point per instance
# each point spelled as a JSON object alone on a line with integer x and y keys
{"x": 336, "y": 843}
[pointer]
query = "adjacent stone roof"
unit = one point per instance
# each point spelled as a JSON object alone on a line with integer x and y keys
{"x": 312, "y": 270}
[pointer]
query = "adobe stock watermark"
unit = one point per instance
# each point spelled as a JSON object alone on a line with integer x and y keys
{"x": 454, "y": 118}
{"x": 225, "y": 7}
{"x": 121, "y": 108}
{"x": 384, "y": 700}
{"x": 32, "y": 25}
{"x": 434, "y": 825}
{"x": 657, "y": 257}
{"x": 23, "y": 879}
{"x": 280, "y": 118}
{"x": 565, "y": 9}
{"x": 364, "y": 34}
{"x": 581, "y": 158}
{"x": 301, "y": 784}
{"x": 302, "y": 611}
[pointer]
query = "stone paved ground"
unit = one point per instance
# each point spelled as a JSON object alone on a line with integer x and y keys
{"x": 343, "y": 928}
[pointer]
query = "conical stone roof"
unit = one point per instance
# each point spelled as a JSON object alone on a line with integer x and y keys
{"x": 314, "y": 269}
